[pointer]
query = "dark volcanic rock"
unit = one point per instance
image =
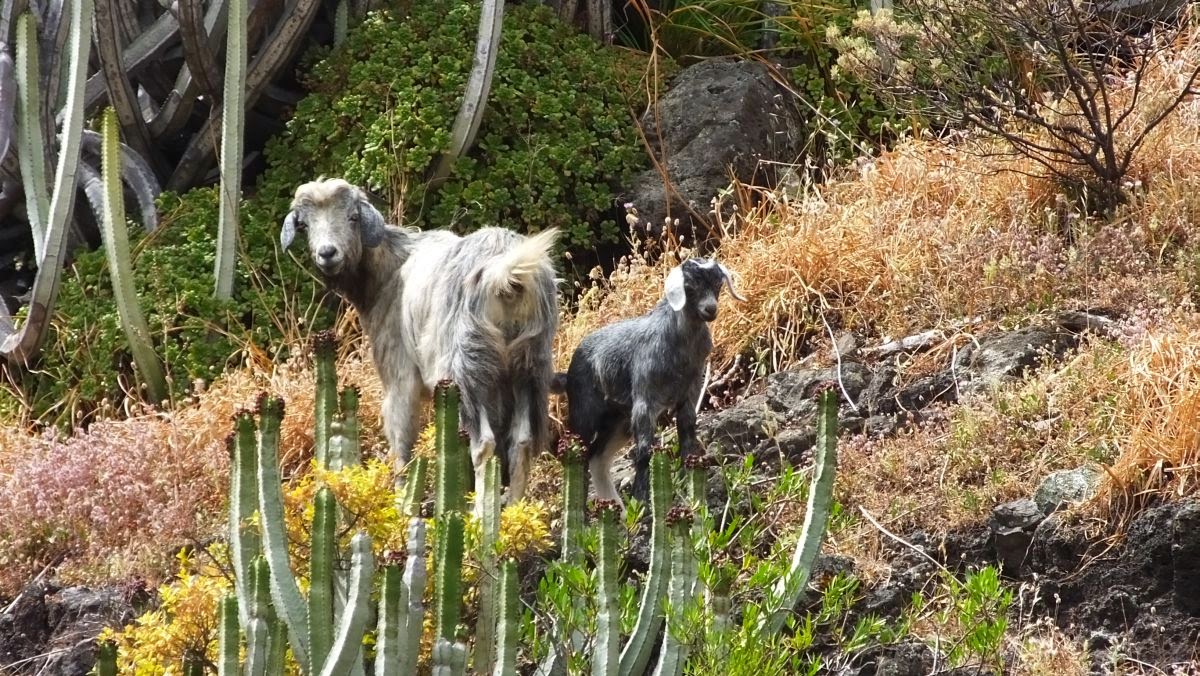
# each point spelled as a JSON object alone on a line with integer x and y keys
{"x": 1013, "y": 525}
{"x": 720, "y": 117}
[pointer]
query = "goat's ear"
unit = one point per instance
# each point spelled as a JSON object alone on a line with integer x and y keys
{"x": 676, "y": 295}
{"x": 371, "y": 222}
{"x": 729, "y": 283}
{"x": 289, "y": 230}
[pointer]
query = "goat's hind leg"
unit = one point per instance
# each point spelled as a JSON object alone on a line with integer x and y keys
{"x": 521, "y": 451}
{"x": 401, "y": 418}
{"x": 483, "y": 447}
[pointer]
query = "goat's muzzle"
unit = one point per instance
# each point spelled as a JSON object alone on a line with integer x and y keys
{"x": 328, "y": 260}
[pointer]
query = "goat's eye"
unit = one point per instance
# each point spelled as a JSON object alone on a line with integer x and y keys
{"x": 301, "y": 226}
{"x": 354, "y": 217}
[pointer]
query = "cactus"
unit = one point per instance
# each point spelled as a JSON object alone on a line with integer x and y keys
{"x": 243, "y": 503}
{"x": 263, "y": 656}
{"x": 324, "y": 357}
{"x": 607, "y": 654}
{"x": 790, "y": 589}
{"x": 570, "y": 452}
{"x": 489, "y": 527}
{"x": 412, "y": 593}
{"x": 448, "y": 575}
{"x": 285, "y": 593}
{"x": 106, "y": 658}
{"x": 449, "y": 497}
{"x": 675, "y": 646}
{"x": 350, "y": 427}
{"x": 115, "y": 230}
{"x": 388, "y": 628}
{"x": 695, "y": 468}
{"x": 230, "y": 637}
{"x": 414, "y": 487}
{"x": 31, "y": 142}
{"x": 233, "y": 120}
{"x": 348, "y": 644}
{"x": 321, "y": 560}
{"x": 449, "y": 658}
{"x": 508, "y": 624}
{"x": 636, "y": 653}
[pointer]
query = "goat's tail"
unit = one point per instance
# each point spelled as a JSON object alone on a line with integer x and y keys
{"x": 517, "y": 269}
{"x": 558, "y": 383}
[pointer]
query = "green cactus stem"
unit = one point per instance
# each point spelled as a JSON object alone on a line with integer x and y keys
{"x": 448, "y": 580}
{"x": 677, "y": 642}
{"x": 285, "y": 593}
{"x": 193, "y": 664}
{"x": 243, "y": 503}
{"x": 489, "y": 528}
{"x": 636, "y": 654}
{"x": 414, "y": 487}
{"x": 790, "y": 589}
{"x": 233, "y": 122}
{"x": 324, "y": 345}
{"x": 230, "y": 638}
{"x": 387, "y": 630}
{"x": 264, "y": 638}
{"x": 449, "y": 497}
{"x": 320, "y": 591}
{"x": 257, "y": 639}
{"x": 115, "y": 231}
{"x": 607, "y": 655}
{"x": 696, "y": 470}
{"x": 106, "y": 657}
{"x": 509, "y": 622}
{"x": 348, "y": 645}
{"x": 570, "y": 451}
{"x": 412, "y": 594}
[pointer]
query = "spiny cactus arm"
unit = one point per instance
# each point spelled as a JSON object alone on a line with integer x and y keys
{"x": 106, "y": 658}
{"x": 8, "y": 97}
{"x": 136, "y": 174}
{"x": 258, "y": 639}
{"x": 20, "y": 347}
{"x": 387, "y": 630}
{"x": 115, "y": 230}
{"x": 636, "y": 654}
{"x": 696, "y": 470}
{"x": 676, "y": 644}
{"x": 448, "y": 600}
{"x": 243, "y": 503}
{"x": 233, "y": 120}
{"x": 325, "y": 402}
{"x": 607, "y": 654}
{"x": 30, "y": 140}
{"x": 230, "y": 638}
{"x": 449, "y": 495}
{"x": 485, "y": 626}
{"x": 285, "y": 593}
{"x": 412, "y": 594}
{"x": 449, "y": 658}
{"x": 508, "y": 623}
{"x": 341, "y": 22}
{"x": 320, "y": 591}
{"x": 348, "y": 645}
{"x": 415, "y": 482}
{"x": 570, "y": 452}
{"x": 790, "y": 589}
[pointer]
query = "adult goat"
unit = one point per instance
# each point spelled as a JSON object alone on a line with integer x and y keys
{"x": 479, "y": 310}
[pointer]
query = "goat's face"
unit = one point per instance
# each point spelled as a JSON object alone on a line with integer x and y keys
{"x": 695, "y": 285}
{"x": 339, "y": 222}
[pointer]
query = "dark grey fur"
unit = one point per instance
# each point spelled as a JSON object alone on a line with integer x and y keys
{"x": 624, "y": 376}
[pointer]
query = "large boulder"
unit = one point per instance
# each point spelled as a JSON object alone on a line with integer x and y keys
{"x": 720, "y": 118}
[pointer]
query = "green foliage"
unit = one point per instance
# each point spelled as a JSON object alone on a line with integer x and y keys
{"x": 556, "y": 140}
{"x": 196, "y": 335}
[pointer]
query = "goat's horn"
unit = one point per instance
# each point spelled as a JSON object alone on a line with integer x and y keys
{"x": 289, "y": 230}
{"x": 729, "y": 283}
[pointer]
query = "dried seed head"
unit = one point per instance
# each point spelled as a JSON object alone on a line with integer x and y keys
{"x": 821, "y": 388}
{"x": 394, "y": 557}
{"x": 698, "y": 461}
{"x": 260, "y": 402}
{"x": 324, "y": 342}
{"x": 680, "y": 514}
{"x": 570, "y": 448}
{"x": 661, "y": 448}
{"x": 601, "y": 507}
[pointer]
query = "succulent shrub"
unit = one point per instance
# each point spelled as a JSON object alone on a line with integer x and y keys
{"x": 195, "y": 335}
{"x": 557, "y": 139}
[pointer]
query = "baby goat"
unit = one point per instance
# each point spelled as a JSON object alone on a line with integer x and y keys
{"x": 479, "y": 310}
{"x": 624, "y": 376}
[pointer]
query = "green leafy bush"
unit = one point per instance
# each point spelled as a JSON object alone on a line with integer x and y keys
{"x": 556, "y": 141}
{"x": 86, "y": 360}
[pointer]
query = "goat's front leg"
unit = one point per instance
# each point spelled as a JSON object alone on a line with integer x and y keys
{"x": 685, "y": 422}
{"x": 483, "y": 447}
{"x": 642, "y": 421}
{"x": 401, "y": 415}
